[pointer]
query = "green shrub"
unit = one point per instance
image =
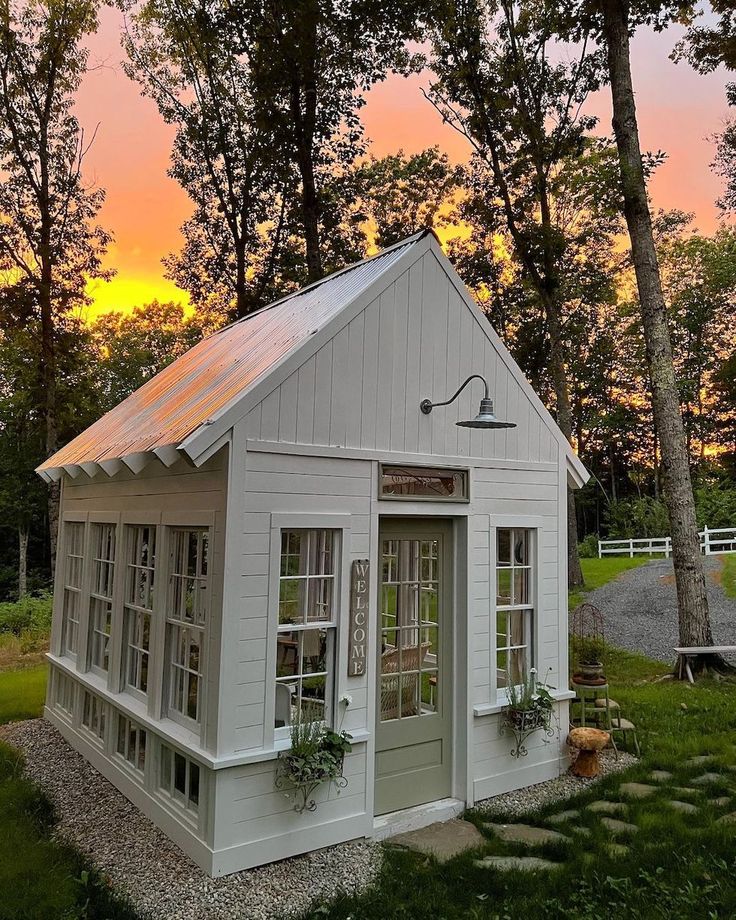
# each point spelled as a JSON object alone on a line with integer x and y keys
{"x": 30, "y": 613}
{"x": 588, "y": 548}
{"x": 637, "y": 517}
{"x": 715, "y": 505}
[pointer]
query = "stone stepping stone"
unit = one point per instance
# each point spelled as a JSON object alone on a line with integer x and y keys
{"x": 582, "y": 830}
{"x": 563, "y": 816}
{"x": 699, "y": 760}
{"x": 443, "y": 840}
{"x": 660, "y": 776}
{"x": 706, "y": 779}
{"x": 685, "y": 790}
{"x": 618, "y": 828}
{"x": 721, "y": 801}
{"x": 687, "y": 807}
{"x": 526, "y": 834}
{"x": 520, "y": 863}
{"x": 603, "y": 807}
{"x": 727, "y": 819}
{"x": 637, "y": 790}
{"x": 616, "y": 850}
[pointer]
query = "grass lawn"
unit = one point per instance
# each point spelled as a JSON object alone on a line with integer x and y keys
{"x": 40, "y": 878}
{"x": 597, "y": 572}
{"x": 22, "y": 693}
{"x": 728, "y": 575}
{"x": 677, "y": 865}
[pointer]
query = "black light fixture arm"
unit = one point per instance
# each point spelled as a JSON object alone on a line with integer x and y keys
{"x": 426, "y": 405}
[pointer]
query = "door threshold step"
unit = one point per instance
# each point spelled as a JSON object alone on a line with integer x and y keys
{"x": 412, "y": 819}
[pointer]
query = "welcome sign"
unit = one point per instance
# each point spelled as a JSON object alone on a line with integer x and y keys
{"x": 358, "y": 617}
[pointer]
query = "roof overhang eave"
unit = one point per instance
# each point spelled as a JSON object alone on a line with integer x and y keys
{"x": 577, "y": 474}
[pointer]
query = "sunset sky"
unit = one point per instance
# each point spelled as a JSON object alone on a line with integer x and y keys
{"x": 678, "y": 112}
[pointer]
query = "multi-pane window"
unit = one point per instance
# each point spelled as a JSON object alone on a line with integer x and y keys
{"x": 514, "y": 605}
{"x": 306, "y": 632}
{"x": 64, "y": 693}
{"x": 131, "y": 743}
{"x": 72, "y": 594}
{"x": 138, "y": 606}
{"x": 100, "y": 602}
{"x": 410, "y": 633}
{"x": 94, "y": 715}
{"x": 179, "y": 777}
{"x": 186, "y": 617}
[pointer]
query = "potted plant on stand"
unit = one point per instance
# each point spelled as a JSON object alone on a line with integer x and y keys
{"x": 316, "y": 756}
{"x": 588, "y": 654}
{"x": 530, "y": 709}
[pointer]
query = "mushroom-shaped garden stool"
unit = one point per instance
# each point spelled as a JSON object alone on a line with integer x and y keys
{"x": 588, "y": 742}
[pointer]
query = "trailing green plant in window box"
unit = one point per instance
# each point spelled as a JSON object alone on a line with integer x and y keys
{"x": 316, "y": 756}
{"x": 530, "y": 708}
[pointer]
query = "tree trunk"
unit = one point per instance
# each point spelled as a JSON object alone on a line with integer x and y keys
{"x": 692, "y": 599}
{"x": 564, "y": 420}
{"x": 22, "y": 562}
{"x": 241, "y": 301}
{"x": 48, "y": 380}
{"x": 310, "y": 217}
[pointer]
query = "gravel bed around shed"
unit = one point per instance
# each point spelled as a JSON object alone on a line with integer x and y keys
{"x": 640, "y": 609}
{"x": 142, "y": 863}
{"x": 536, "y": 797}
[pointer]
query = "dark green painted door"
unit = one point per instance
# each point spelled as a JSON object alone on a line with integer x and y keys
{"x": 414, "y": 710}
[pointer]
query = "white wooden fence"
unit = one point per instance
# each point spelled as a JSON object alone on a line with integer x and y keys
{"x": 719, "y": 540}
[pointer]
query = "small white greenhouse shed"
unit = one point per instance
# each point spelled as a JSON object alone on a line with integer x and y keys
{"x": 223, "y": 527}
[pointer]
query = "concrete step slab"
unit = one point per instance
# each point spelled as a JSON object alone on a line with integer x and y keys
{"x": 619, "y": 828}
{"x": 526, "y": 834}
{"x": 637, "y": 790}
{"x": 604, "y": 807}
{"x": 518, "y": 863}
{"x": 686, "y": 807}
{"x": 443, "y": 840}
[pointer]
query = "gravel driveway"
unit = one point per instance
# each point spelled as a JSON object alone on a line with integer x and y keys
{"x": 640, "y": 609}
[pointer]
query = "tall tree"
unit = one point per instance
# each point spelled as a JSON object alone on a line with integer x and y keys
{"x": 399, "y": 195}
{"x": 614, "y": 21}
{"x": 133, "y": 347}
{"x": 500, "y": 85}
{"x": 313, "y": 61}
{"x": 183, "y": 55}
{"x": 49, "y": 241}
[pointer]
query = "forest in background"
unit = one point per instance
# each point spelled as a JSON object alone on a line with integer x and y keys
{"x": 266, "y": 99}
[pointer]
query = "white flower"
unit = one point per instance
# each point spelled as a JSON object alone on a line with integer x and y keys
{"x": 346, "y": 699}
{"x": 533, "y": 671}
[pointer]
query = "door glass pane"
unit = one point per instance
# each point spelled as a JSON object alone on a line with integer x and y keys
{"x": 410, "y": 634}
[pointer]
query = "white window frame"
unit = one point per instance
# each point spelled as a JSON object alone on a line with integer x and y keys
{"x": 175, "y": 625}
{"x": 76, "y": 591}
{"x": 166, "y": 785}
{"x": 131, "y": 726}
{"x": 96, "y": 597}
{"x": 62, "y": 679}
{"x": 99, "y": 717}
{"x": 132, "y": 610}
{"x": 340, "y": 524}
{"x": 533, "y": 526}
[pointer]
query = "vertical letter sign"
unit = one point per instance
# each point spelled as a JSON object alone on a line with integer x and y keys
{"x": 358, "y": 617}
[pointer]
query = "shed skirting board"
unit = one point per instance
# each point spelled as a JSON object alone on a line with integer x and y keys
{"x": 519, "y": 776}
{"x": 295, "y": 843}
{"x": 181, "y": 835}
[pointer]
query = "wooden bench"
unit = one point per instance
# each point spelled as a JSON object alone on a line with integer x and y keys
{"x": 685, "y": 654}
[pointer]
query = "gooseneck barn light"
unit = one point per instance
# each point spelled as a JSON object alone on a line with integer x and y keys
{"x": 485, "y": 417}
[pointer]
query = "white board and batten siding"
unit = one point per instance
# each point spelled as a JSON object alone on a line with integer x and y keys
{"x": 310, "y": 450}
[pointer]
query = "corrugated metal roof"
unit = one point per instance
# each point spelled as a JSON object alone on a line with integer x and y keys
{"x": 183, "y": 396}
